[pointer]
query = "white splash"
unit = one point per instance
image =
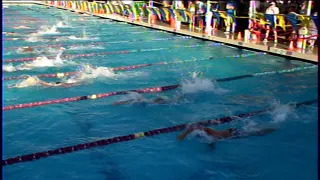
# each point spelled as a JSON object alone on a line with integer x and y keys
{"x": 34, "y": 39}
{"x": 89, "y": 72}
{"x": 8, "y": 68}
{"x": 62, "y": 24}
{"x": 196, "y": 84}
{"x": 30, "y": 81}
{"x": 48, "y": 30}
{"x": 204, "y": 137}
{"x": 42, "y": 61}
{"x": 280, "y": 112}
{"x": 85, "y": 47}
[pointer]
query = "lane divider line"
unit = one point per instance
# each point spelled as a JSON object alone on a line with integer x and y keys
{"x": 115, "y": 52}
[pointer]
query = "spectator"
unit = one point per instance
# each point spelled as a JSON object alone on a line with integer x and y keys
{"x": 200, "y": 14}
{"x": 231, "y": 12}
{"x": 271, "y": 11}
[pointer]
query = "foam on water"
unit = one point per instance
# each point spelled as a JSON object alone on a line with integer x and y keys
{"x": 84, "y": 47}
{"x": 204, "y": 137}
{"x": 88, "y": 72}
{"x": 39, "y": 62}
{"x": 62, "y": 24}
{"x": 48, "y": 30}
{"x": 196, "y": 85}
{"x": 281, "y": 112}
{"x": 30, "y": 81}
{"x": 8, "y": 68}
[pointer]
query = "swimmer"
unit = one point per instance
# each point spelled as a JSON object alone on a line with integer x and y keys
{"x": 56, "y": 84}
{"x": 158, "y": 100}
{"x": 12, "y": 33}
{"x": 21, "y": 27}
{"x": 32, "y": 81}
{"x": 227, "y": 133}
{"x": 27, "y": 49}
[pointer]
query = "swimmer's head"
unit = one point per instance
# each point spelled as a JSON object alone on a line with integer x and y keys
{"x": 58, "y": 82}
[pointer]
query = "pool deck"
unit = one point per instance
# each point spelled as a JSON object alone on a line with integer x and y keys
{"x": 281, "y": 49}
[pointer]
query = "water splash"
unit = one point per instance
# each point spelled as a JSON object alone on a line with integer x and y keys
{"x": 8, "y": 68}
{"x": 280, "y": 112}
{"x": 48, "y": 30}
{"x": 85, "y": 47}
{"x": 204, "y": 137}
{"x": 88, "y": 72}
{"x": 30, "y": 81}
{"x": 42, "y": 61}
{"x": 196, "y": 85}
{"x": 62, "y": 24}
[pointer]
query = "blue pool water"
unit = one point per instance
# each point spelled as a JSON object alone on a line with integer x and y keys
{"x": 288, "y": 153}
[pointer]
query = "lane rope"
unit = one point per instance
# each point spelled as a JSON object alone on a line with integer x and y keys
{"x": 115, "y": 52}
{"x": 123, "y": 68}
{"x": 15, "y": 38}
{"x": 145, "y": 90}
{"x": 154, "y": 132}
{"x": 103, "y": 42}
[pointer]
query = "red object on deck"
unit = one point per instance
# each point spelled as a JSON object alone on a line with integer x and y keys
{"x": 172, "y": 22}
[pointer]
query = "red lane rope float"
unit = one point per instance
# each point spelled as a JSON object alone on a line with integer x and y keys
{"x": 154, "y": 132}
{"x": 94, "y": 96}
{"x": 114, "y": 52}
{"x": 123, "y": 68}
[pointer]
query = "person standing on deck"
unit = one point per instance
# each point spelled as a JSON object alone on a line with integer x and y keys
{"x": 272, "y": 10}
{"x": 231, "y": 13}
{"x": 200, "y": 15}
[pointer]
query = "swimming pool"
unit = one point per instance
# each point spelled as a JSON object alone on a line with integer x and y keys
{"x": 288, "y": 153}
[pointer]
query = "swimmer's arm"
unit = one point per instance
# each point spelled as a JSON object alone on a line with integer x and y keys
{"x": 210, "y": 132}
{"x": 183, "y": 135}
{"x": 45, "y": 83}
{"x": 123, "y": 102}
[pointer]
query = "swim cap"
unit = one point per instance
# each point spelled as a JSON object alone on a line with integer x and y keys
{"x": 57, "y": 82}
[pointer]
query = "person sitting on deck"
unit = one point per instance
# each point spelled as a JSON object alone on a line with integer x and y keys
{"x": 223, "y": 134}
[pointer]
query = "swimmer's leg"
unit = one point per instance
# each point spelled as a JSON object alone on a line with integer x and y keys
{"x": 262, "y": 132}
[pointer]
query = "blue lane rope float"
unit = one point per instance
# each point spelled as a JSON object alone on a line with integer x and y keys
{"x": 114, "y": 140}
{"x": 145, "y": 90}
